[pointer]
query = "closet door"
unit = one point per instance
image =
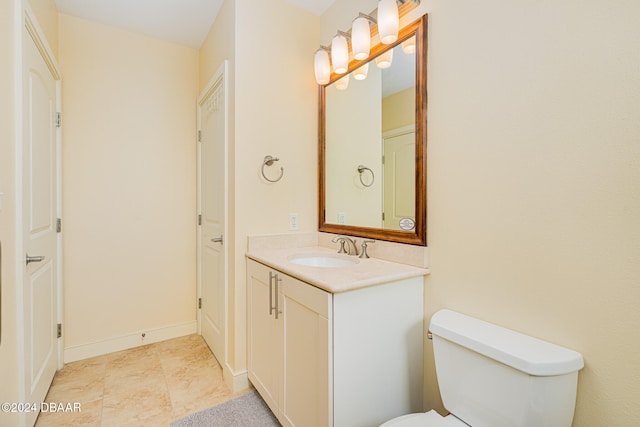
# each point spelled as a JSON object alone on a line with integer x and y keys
{"x": 212, "y": 130}
{"x": 39, "y": 213}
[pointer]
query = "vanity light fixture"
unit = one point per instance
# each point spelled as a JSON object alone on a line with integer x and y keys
{"x": 386, "y": 26}
{"x": 343, "y": 83}
{"x": 388, "y": 21}
{"x": 322, "y": 66}
{"x": 360, "y": 73}
{"x": 384, "y": 60}
{"x": 361, "y": 36}
{"x": 340, "y": 53}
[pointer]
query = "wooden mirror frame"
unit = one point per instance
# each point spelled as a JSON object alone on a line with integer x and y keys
{"x": 419, "y": 236}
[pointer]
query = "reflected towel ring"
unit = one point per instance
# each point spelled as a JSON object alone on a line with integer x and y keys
{"x": 361, "y": 170}
{"x": 268, "y": 161}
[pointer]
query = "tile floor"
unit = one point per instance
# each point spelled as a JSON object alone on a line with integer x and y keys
{"x": 145, "y": 386}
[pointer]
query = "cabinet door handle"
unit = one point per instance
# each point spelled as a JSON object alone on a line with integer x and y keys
{"x": 278, "y": 279}
{"x": 271, "y": 276}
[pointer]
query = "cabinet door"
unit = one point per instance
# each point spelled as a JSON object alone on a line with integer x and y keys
{"x": 264, "y": 337}
{"x": 377, "y": 350}
{"x": 306, "y": 399}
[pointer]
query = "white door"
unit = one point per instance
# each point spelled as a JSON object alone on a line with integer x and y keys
{"x": 39, "y": 225}
{"x": 212, "y": 200}
{"x": 399, "y": 179}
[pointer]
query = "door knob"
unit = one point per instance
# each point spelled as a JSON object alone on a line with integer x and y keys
{"x": 34, "y": 259}
{"x": 217, "y": 239}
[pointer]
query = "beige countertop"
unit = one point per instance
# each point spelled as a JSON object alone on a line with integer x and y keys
{"x": 365, "y": 272}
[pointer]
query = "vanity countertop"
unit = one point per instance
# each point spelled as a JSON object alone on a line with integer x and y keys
{"x": 365, "y": 272}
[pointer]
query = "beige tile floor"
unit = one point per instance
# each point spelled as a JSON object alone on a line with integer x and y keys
{"x": 145, "y": 386}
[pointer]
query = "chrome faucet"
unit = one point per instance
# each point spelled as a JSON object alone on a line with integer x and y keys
{"x": 364, "y": 253}
{"x": 351, "y": 245}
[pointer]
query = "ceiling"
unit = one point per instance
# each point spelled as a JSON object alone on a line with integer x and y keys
{"x": 185, "y": 22}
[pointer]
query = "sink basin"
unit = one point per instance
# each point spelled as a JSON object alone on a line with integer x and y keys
{"x": 324, "y": 261}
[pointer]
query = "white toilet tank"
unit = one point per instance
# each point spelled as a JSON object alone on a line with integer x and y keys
{"x": 490, "y": 376}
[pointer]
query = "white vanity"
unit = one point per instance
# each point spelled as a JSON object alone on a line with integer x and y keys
{"x": 337, "y": 345}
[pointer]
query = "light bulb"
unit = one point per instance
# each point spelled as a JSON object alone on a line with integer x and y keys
{"x": 361, "y": 38}
{"x": 322, "y": 67}
{"x": 384, "y": 60}
{"x": 409, "y": 45}
{"x": 361, "y": 72}
{"x": 388, "y": 21}
{"x": 343, "y": 83}
{"x": 340, "y": 54}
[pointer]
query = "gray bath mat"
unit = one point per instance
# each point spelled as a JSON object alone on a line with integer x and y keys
{"x": 244, "y": 411}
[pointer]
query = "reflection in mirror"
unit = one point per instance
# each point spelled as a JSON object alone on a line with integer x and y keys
{"x": 371, "y": 124}
{"x": 373, "y": 143}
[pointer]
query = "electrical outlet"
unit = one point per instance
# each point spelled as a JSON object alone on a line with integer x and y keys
{"x": 293, "y": 221}
{"x": 342, "y": 217}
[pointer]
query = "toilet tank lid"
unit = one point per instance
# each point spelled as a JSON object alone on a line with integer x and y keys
{"x": 525, "y": 353}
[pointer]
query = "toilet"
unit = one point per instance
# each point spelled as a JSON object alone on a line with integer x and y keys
{"x": 490, "y": 376}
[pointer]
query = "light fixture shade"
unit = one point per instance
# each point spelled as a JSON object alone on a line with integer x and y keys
{"x": 361, "y": 72}
{"x": 342, "y": 83}
{"x": 384, "y": 60}
{"x": 409, "y": 45}
{"x": 322, "y": 67}
{"x": 388, "y": 21}
{"x": 360, "y": 38}
{"x": 340, "y": 54}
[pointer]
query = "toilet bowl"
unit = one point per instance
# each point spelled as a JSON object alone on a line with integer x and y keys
{"x": 492, "y": 376}
{"x": 426, "y": 419}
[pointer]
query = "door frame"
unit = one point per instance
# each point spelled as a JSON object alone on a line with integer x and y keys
{"x": 28, "y": 26}
{"x": 221, "y": 74}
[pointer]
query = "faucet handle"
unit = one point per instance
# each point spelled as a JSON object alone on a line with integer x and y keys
{"x": 364, "y": 253}
{"x": 342, "y": 241}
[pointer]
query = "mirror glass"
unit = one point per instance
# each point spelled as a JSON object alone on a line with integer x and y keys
{"x": 373, "y": 146}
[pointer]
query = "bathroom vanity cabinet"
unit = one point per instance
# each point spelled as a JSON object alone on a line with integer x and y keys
{"x": 346, "y": 359}
{"x": 289, "y": 345}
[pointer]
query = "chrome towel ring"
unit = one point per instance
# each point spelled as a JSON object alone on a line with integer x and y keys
{"x": 268, "y": 161}
{"x": 361, "y": 170}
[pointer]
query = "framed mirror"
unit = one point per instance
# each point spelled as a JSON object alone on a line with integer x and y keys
{"x": 373, "y": 143}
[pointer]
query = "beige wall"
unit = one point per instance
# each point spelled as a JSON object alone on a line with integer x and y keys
{"x": 220, "y": 44}
{"x": 275, "y": 115}
{"x": 354, "y": 115}
{"x": 47, "y": 14}
{"x": 534, "y": 182}
{"x": 129, "y": 180}
{"x": 398, "y": 110}
{"x": 273, "y": 112}
{"x": 534, "y": 176}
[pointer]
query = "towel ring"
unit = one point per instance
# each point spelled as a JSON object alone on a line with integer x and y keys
{"x": 268, "y": 161}
{"x": 361, "y": 170}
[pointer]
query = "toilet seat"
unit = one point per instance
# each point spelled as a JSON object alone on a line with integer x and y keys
{"x": 424, "y": 419}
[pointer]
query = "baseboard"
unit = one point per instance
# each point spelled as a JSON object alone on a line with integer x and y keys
{"x": 236, "y": 381}
{"x": 124, "y": 342}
